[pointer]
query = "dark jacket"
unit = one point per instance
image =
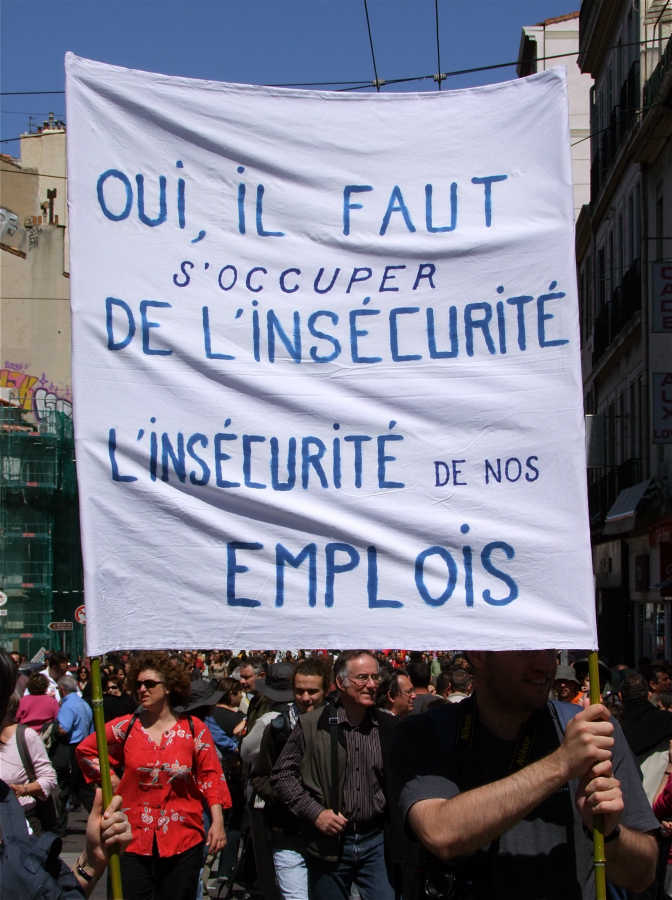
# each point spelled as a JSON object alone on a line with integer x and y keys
{"x": 30, "y": 865}
{"x": 644, "y": 726}
{"x": 259, "y": 705}
{"x": 316, "y": 778}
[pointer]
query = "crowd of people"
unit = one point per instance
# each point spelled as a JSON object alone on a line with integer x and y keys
{"x": 310, "y": 775}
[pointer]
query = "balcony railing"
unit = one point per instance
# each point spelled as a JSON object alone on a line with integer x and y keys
{"x": 652, "y": 84}
{"x": 602, "y": 492}
{"x": 626, "y": 301}
{"x": 606, "y": 144}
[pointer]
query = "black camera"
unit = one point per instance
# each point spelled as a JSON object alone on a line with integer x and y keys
{"x": 451, "y": 880}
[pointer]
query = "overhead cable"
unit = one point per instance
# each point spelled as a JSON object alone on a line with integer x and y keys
{"x": 377, "y": 81}
{"x": 17, "y": 112}
{"x": 27, "y": 93}
{"x": 496, "y": 65}
{"x": 34, "y": 174}
{"x": 439, "y": 77}
{"x": 39, "y": 134}
{"x": 365, "y": 84}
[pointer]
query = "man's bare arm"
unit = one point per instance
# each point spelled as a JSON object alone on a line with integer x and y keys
{"x": 469, "y": 821}
{"x": 631, "y": 860}
{"x": 463, "y": 824}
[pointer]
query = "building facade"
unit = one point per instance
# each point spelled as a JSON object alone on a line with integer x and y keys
{"x": 40, "y": 557}
{"x": 555, "y": 42}
{"x": 624, "y": 261}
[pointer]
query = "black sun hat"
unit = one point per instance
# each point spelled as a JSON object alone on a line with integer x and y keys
{"x": 278, "y": 684}
{"x": 202, "y": 694}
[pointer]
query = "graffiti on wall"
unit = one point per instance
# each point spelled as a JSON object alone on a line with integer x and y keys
{"x": 35, "y": 394}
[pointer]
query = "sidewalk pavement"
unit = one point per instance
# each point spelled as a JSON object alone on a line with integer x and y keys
{"x": 73, "y": 844}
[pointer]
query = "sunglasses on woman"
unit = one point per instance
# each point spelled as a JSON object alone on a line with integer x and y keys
{"x": 148, "y": 683}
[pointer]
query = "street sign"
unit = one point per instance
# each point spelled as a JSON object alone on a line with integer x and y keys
{"x": 80, "y": 615}
{"x": 3, "y": 612}
{"x": 60, "y": 626}
{"x": 3, "y": 598}
{"x": 661, "y": 289}
{"x": 39, "y": 656}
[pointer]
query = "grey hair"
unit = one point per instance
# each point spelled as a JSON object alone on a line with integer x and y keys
{"x": 68, "y": 683}
{"x": 342, "y": 664}
{"x": 256, "y": 663}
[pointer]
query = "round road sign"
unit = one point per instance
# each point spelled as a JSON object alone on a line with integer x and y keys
{"x": 3, "y": 598}
{"x": 80, "y": 615}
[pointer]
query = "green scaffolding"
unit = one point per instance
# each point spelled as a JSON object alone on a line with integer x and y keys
{"x": 40, "y": 556}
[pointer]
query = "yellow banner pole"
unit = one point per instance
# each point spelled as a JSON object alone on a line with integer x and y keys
{"x": 599, "y": 860}
{"x": 105, "y": 779}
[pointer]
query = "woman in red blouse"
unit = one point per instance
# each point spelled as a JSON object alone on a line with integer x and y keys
{"x": 169, "y": 769}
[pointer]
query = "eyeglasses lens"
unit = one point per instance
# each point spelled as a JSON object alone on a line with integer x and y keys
{"x": 149, "y": 683}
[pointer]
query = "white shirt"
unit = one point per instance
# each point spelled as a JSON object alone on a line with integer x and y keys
{"x": 52, "y": 690}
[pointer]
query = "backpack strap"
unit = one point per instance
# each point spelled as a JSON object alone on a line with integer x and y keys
{"x": 333, "y": 731}
{"x": 134, "y": 719}
{"x": 136, "y": 716}
{"x": 280, "y": 729}
{"x": 563, "y": 713}
{"x": 44, "y": 851}
{"x": 24, "y": 752}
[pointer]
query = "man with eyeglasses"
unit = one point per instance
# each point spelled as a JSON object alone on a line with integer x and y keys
{"x": 396, "y": 693}
{"x": 333, "y": 774}
{"x": 500, "y": 789}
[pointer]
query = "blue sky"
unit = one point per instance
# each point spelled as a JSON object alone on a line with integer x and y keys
{"x": 256, "y": 41}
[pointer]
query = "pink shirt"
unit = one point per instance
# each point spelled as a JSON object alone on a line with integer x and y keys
{"x": 12, "y": 771}
{"x": 36, "y": 710}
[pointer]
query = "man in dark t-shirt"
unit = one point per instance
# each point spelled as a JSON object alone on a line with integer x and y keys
{"x": 500, "y": 780}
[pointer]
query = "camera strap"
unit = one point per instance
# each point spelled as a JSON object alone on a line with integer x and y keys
{"x": 463, "y": 756}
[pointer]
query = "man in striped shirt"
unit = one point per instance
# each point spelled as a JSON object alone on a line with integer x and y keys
{"x": 346, "y": 830}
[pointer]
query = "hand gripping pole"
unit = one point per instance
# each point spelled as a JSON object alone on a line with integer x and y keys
{"x": 105, "y": 779}
{"x": 599, "y": 860}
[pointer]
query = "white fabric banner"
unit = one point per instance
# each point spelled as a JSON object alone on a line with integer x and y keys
{"x": 326, "y": 365}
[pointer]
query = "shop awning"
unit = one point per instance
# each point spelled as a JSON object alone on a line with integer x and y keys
{"x": 621, "y": 516}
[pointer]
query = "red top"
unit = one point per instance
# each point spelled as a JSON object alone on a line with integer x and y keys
{"x": 35, "y": 710}
{"x": 163, "y": 786}
{"x": 662, "y": 807}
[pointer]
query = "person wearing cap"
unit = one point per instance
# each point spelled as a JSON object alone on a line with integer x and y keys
{"x": 310, "y": 687}
{"x": 201, "y": 704}
{"x": 276, "y": 689}
{"x": 567, "y": 686}
{"x": 581, "y": 671}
